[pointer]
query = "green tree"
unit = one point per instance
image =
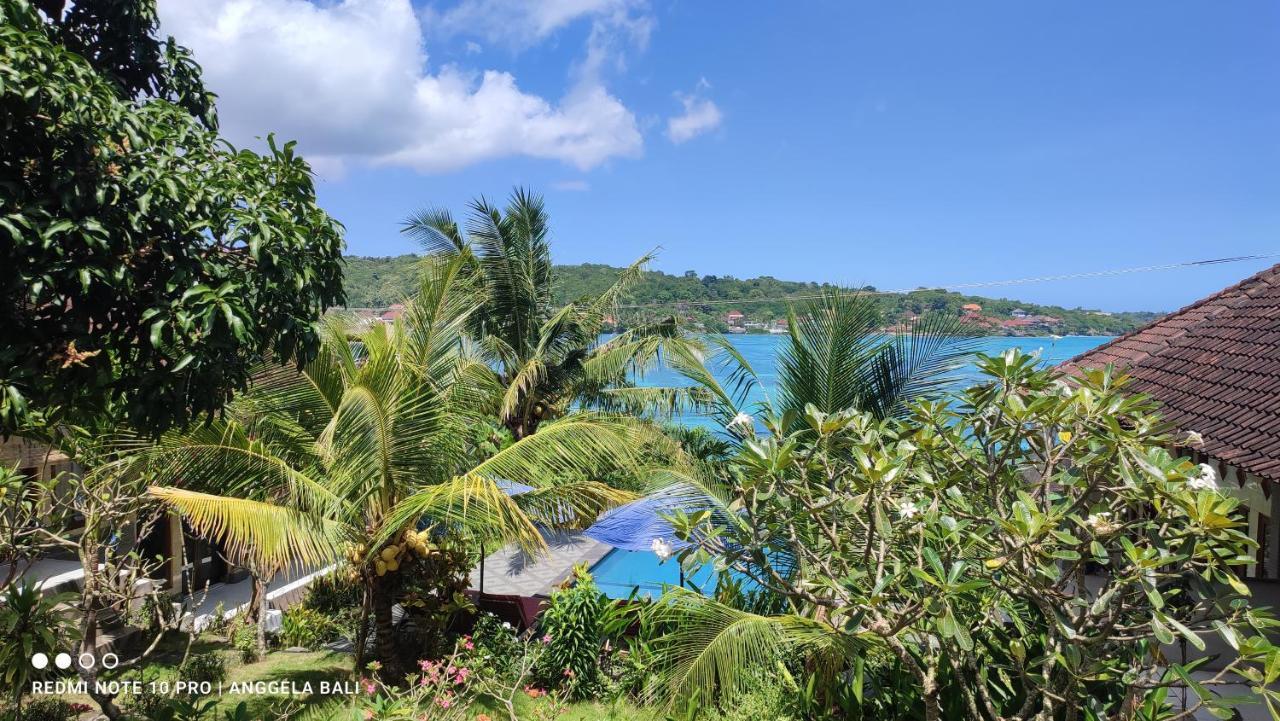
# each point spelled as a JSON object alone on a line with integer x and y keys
{"x": 546, "y": 358}
{"x": 1027, "y": 549}
{"x": 369, "y": 441}
{"x": 147, "y": 263}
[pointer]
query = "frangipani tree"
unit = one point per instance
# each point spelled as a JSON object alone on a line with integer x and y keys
{"x": 367, "y": 442}
{"x": 1025, "y": 550}
{"x": 546, "y": 359}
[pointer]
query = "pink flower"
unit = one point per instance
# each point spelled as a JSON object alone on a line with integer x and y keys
{"x": 444, "y": 702}
{"x": 368, "y": 714}
{"x": 546, "y": 638}
{"x": 369, "y": 688}
{"x": 461, "y": 675}
{"x": 568, "y": 672}
{"x": 468, "y": 645}
{"x": 425, "y": 665}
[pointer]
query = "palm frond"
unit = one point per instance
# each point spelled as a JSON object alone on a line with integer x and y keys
{"x": 436, "y": 231}
{"x": 714, "y": 651}
{"x": 470, "y": 505}
{"x": 563, "y": 448}
{"x": 919, "y": 363}
{"x": 573, "y": 505}
{"x": 273, "y": 537}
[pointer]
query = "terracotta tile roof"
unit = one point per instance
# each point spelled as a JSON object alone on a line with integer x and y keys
{"x": 1215, "y": 368}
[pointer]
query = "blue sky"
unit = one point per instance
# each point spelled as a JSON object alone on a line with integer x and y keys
{"x": 893, "y": 144}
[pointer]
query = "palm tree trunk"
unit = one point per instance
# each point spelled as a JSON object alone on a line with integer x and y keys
{"x": 259, "y": 605}
{"x": 362, "y": 629}
{"x": 385, "y": 639}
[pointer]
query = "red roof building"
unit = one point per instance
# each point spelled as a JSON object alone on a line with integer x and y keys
{"x": 1214, "y": 367}
{"x": 393, "y": 312}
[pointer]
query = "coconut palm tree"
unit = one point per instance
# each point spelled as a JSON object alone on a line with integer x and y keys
{"x": 365, "y": 445}
{"x": 547, "y": 359}
{"x": 836, "y": 356}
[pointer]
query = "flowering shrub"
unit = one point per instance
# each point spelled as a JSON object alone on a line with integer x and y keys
{"x": 438, "y": 690}
{"x": 1028, "y": 549}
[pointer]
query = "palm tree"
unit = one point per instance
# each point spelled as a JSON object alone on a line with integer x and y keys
{"x": 546, "y": 359}
{"x": 836, "y": 357}
{"x": 366, "y": 443}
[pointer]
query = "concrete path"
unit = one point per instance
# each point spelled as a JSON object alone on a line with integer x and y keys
{"x": 512, "y": 572}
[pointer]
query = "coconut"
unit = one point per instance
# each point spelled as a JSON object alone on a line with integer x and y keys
{"x": 393, "y": 565}
{"x": 380, "y": 568}
{"x": 389, "y": 553}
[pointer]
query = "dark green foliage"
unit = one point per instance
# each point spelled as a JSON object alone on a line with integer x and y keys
{"x": 496, "y": 643}
{"x": 245, "y": 641}
{"x": 379, "y": 282}
{"x": 47, "y": 708}
{"x": 573, "y": 627}
{"x": 332, "y": 592}
{"x": 146, "y": 262}
{"x": 208, "y": 667}
{"x": 30, "y": 623}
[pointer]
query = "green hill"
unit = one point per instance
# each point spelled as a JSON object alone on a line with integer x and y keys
{"x": 379, "y": 282}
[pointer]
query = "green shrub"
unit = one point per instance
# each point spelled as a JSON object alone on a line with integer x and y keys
{"x": 307, "y": 627}
{"x": 338, "y": 598}
{"x": 245, "y": 641}
{"x": 333, "y": 593}
{"x": 30, "y": 622}
{"x": 496, "y": 644}
{"x": 44, "y": 709}
{"x": 202, "y": 667}
{"x": 572, "y": 629}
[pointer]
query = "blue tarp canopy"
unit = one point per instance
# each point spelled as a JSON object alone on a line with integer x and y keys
{"x": 634, "y": 527}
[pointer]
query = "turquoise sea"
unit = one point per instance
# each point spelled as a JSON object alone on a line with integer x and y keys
{"x": 622, "y": 572}
{"x": 761, "y": 352}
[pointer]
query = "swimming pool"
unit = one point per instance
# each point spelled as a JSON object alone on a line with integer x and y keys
{"x": 621, "y": 572}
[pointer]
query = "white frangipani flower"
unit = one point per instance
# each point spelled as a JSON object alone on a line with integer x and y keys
{"x": 661, "y": 548}
{"x": 743, "y": 421}
{"x": 1205, "y": 480}
{"x": 908, "y": 510}
{"x": 1100, "y": 523}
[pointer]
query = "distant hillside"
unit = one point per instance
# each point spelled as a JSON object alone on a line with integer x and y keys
{"x": 379, "y": 282}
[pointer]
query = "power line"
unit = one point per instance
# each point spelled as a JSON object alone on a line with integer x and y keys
{"x": 979, "y": 284}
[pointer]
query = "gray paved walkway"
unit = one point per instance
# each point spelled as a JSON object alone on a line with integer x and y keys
{"x": 509, "y": 571}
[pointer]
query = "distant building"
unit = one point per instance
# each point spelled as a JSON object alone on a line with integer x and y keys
{"x": 1019, "y": 313}
{"x": 734, "y": 318}
{"x": 971, "y": 309}
{"x": 392, "y": 313}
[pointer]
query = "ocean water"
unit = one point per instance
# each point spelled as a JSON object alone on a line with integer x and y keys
{"x": 622, "y": 572}
{"x": 761, "y": 351}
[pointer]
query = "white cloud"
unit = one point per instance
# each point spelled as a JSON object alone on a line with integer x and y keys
{"x": 700, "y": 115}
{"x": 577, "y": 186}
{"x": 522, "y": 23}
{"x": 350, "y": 81}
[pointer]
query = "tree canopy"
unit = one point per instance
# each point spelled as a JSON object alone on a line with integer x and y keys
{"x": 148, "y": 264}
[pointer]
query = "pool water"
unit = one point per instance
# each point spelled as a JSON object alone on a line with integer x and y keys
{"x": 621, "y": 572}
